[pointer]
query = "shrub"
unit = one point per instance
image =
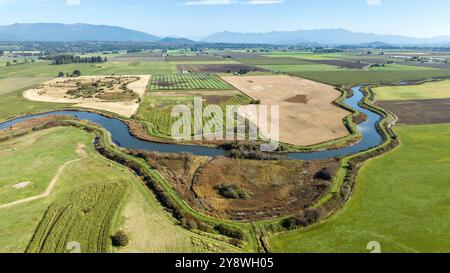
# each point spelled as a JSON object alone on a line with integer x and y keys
{"x": 120, "y": 239}
{"x": 312, "y": 215}
{"x": 294, "y": 222}
{"x": 229, "y": 231}
{"x": 231, "y": 191}
{"x": 324, "y": 174}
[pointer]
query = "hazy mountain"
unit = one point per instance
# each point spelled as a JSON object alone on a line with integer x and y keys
{"x": 177, "y": 41}
{"x": 70, "y": 33}
{"x": 321, "y": 36}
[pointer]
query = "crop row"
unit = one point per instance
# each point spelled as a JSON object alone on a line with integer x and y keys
{"x": 86, "y": 217}
{"x": 196, "y": 81}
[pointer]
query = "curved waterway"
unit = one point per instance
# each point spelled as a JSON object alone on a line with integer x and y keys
{"x": 122, "y": 137}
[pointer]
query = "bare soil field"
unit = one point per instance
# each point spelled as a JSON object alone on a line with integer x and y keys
{"x": 114, "y": 94}
{"x": 219, "y": 68}
{"x": 307, "y": 115}
{"x": 419, "y": 111}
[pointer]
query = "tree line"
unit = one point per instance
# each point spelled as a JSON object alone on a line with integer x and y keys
{"x": 69, "y": 59}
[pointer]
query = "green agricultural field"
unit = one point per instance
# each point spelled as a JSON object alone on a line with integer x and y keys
{"x": 44, "y": 69}
{"x": 14, "y": 104}
{"x": 304, "y": 68}
{"x": 155, "y": 111}
{"x": 307, "y": 55}
{"x": 92, "y": 199}
{"x": 401, "y": 201}
{"x": 194, "y": 81}
{"x": 431, "y": 90}
{"x": 354, "y": 77}
{"x": 224, "y": 61}
{"x": 12, "y": 84}
{"x": 152, "y": 230}
{"x": 399, "y": 67}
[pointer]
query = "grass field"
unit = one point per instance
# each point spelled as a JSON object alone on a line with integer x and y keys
{"x": 401, "y": 201}
{"x": 432, "y": 90}
{"x": 14, "y": 104}
{"x": 194, "y": 81}
{"x": 355, "y": 77}
{"x": 12, "y": 84}
{"x": 303, "y": 68}
{"x": 87, "y": 198}
{"x": 103, "y": 69}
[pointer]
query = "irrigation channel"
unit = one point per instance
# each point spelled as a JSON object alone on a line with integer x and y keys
{"x": 122, "y": 137}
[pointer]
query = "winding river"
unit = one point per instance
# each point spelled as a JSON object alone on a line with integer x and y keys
{"x": 122, "y": 137}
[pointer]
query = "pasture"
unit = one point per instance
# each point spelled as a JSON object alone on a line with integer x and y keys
{"x": 93, "y": 198}
{"x": 429, "y": 90}
{"x": 194, "y": 81}
{"x": 45, "y": 69}
{"x": 400, "y": 201}
{"x": 9, "y": 85}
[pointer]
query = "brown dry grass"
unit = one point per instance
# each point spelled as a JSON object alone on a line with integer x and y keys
{"x": 307, "y": 115}
{"x": 56, "y": 91}
{"x": 275, "y": 188}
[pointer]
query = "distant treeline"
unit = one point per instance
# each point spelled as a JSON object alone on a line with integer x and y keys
{"x": 70, "y": 59}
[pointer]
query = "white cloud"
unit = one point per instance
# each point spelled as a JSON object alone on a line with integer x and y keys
{"x": 230, "y": 2}
{"x": 264, "y": 2}
{"x": 209, "y": 2}
{"x": 73, "y": 2}
{"x": 373, "y": 2}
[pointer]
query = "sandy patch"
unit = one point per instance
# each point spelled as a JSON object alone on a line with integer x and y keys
{"x": 307, "y": 115}
{"x": 21, "y": 185}
{"x": 56, "y": 91}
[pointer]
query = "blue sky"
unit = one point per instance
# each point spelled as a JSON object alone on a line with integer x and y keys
{"x": 195, "y": 18}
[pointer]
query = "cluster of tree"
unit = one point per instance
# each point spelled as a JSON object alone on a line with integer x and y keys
{"x": 76, "y": 73}
{"x": 69, "y": 59}
{"x": 120, "y": 239}
{"x": 17, "y": 62}
{"x": 1, "y": 52}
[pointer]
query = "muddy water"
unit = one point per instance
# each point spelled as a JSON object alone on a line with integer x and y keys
{"x": 123, "y": 138}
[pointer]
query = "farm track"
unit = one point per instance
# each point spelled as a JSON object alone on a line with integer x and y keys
{"x": 50, "y": 187}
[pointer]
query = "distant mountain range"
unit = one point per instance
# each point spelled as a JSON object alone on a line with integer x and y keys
{"x": 71, "y": 33}
{"x": 84, "y": 32}
{"x": 320, "y": 36}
